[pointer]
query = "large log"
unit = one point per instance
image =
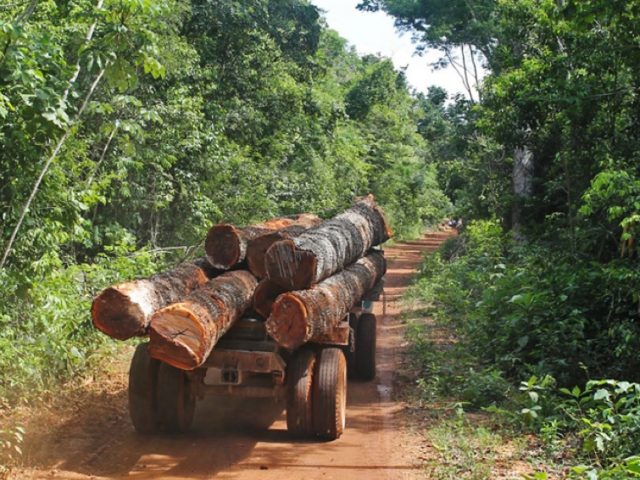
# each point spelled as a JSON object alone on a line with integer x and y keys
{"x": 257, "y": 247}
{"x": 311, "y": 315}
{"x": 123, "y": 311}
{"x": 226, "y": 245}
{"x": 265, "y": 295}
{"x": 184, "y": 333}
{"x": 318, "y": 253}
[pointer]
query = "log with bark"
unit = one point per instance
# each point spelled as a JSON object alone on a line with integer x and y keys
{"x": 311, "y": 315}
{"x": 265, "y": 295}
{"x": 298, "y": 263}
{"x": 257, "y": 247}
{"x": 226, "y": 245}
{"x": 184, "y": 333}
{"x": 123, "y": 311}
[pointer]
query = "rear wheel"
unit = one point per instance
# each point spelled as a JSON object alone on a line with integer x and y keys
{"x": 330, "y": 393}
{"x": 299, "y": 393}
{"x": 366, "y": 347}
{"x": 350, "y": 349}
{"x": 143, "y": 380}
{"x": 176, "y": 405}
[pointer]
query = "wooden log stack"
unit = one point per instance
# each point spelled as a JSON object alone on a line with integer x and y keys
{"x": 300, "y": 262}
{"x": 313, "y": 273}
{"x": 311, "y": 315}
{"x": 123, "y": 311}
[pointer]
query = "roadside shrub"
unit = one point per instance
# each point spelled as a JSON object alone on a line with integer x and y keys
{"x": 532, "y": 310}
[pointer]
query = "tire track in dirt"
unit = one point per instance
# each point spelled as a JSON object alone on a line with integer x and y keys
{"x": 246, "y": 438}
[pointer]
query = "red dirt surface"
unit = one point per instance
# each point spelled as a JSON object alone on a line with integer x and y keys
{"x": 91, "y": 437}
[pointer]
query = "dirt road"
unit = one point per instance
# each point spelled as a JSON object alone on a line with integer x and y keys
{"x": 247, "y": 439}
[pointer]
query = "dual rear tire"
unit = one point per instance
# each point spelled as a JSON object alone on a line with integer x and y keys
{"x": 159, "y": 395}
{"x": 317, "y": 393}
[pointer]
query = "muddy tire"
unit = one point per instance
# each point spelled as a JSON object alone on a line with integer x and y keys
{"x": 176, "y": 405}
{"x": 143, "y": 381}
{"x": 330, "y": 393}
{"x": 299, "y": 393}
{"x": 366, "y": 347}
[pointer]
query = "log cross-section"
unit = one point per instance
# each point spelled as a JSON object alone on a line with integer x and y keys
{"x": 123, "y": 311}
{"x": 257, "y": 247}
{"x": 184, "y": 333}
{"x": 311, "y": 315}
{"x": 300, "y": 262}
{"x": 226, "y": 245}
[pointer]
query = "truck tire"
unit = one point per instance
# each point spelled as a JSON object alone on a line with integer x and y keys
{"x": 299, "y": 393}
{"x": 330, "y": 393}
{"x": 143, "y": 381}
{"x": 350, "y": 349}
{"x": 366, "y": 347}
{"x": 176, "y": 405}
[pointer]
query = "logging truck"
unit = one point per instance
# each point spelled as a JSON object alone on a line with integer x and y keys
{"x": 247, "y": 362}
{"x": 310, "y": 285}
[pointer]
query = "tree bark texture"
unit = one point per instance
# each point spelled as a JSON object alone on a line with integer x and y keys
{"x": 184, "y": 333}
{"x": 300, "y": 262}
{"x": 226, "y": 245}
{"x": 310, "y": 315}
{"x": 123, "y": 311}
{"x": 265, "y": 295}
{"x": 257, "y": 247}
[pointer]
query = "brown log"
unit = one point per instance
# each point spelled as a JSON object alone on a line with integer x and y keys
{"x": 264, "y": 296}
{"x": 298, "y": 263}
{"x": 184, "y": 333}
{"x": 123, "y": 311}
{"x": 258, "y": 246}
{"x": 226, "y": 245}
{"x": 311, "y": 315}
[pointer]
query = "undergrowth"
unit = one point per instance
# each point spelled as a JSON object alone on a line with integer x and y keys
{"x": 537, "y": 335}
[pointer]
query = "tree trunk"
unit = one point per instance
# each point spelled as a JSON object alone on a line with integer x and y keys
{"x": 300, "y": 262}
{"x": 265, "y": 295}
{"x": 123, "y": 311}
{"x": 184, "y": 333}
{"x": 311, "y": 315}
{"x": 226, "y": 245}
{"x": 258, "y": 246}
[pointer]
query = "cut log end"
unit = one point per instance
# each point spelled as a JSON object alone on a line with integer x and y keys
{"x": 265, "y": 295}
{"x": 115, "y": 314}
{"x": 176, "y": 337}
{"x": 288, "y": 324}
{"x": 290, "y": 268}
{"x": 222, "y": 246}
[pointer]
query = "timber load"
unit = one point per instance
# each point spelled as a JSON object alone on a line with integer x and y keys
{"x": 313, "y": 273}
{"x": 123, "y": 311}
{"x": 226, "y": 245}
{"x": 310, "y": 315}
{"x": 300, "y": 262}
{"x": 184, "y": 333}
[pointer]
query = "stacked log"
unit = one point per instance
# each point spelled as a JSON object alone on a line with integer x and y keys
{"x": 258, "y": 246}
{"x": 123, "y": 311}
{"x": 300, "y": 262}
{"x": 184, "y": 333}
{"x": 313, "y": 273}
{"x": 311, "y": 315}
{"x": 226, "y": 245}
{"x": 265, "y": 295}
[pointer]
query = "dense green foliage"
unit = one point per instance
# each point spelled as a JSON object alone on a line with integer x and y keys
{"x": 128, "y": 127}
{"x": 545, "y": 280}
